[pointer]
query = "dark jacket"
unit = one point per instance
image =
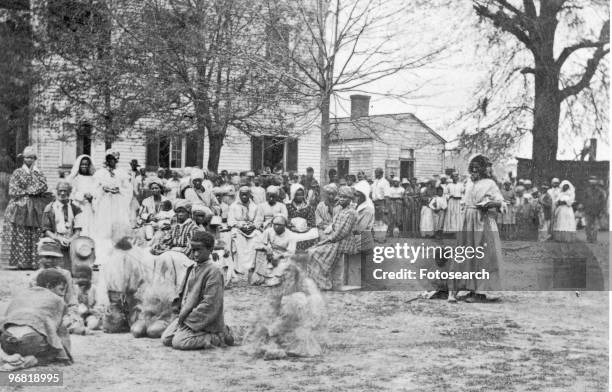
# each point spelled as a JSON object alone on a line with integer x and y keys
{"x": 201, "y": 298}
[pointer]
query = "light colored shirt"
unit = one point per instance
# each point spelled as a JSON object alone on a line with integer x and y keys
{"x": 380, "y": 189}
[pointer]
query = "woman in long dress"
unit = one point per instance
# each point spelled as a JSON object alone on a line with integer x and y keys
{"x": 84, "y": 188}
{"x": 395, "y": 206}
{"x": 111, "y": 207}
{"x": 564, "y": 229}
{"x": 412, "y": 209}
{"x": 427, "y": 217}
{"x": 479, "y": 229}
{"x": 150, "y": 209}
{"x": 23, "y": 215}
{"x": 454, "y": 192}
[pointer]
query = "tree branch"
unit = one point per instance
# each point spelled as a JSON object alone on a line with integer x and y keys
{"x": 510, "y": 24}
{"x": 590, "y": 70}
{"x": 604, "y": 38}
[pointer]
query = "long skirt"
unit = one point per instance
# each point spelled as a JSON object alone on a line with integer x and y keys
{"x": 322, "y": 260}
{"x": 452, "y": 219}
{"x": 395, "y": 208}
{"x": 411, "y": 216}
{"x": 564, "y": 229}
{"x": 243, "y": 250}
{"x": 478, "y": 231}
{"x": 427, "y": 222}
{"x": 19, "y": 246}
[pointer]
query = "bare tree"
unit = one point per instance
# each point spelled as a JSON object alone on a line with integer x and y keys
{"x": 195, "y": 61}
{"x": 551, "y": 73}
{"x": 346, "y": 46}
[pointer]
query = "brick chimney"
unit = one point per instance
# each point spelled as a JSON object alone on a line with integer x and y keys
{"x": 360, "y": 106}
{"x": 593, "y": 150}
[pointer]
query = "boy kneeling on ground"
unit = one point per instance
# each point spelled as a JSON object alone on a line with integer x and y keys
{"x": 199, "y": 304}
{"x": 31, "y": 330}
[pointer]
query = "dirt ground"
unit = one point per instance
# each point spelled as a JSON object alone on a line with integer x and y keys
{"x": 530, "y": 341}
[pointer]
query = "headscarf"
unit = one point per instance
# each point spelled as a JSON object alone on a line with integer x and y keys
{"x": 111, "y": 151}
{"x": 273, "y": 189}
{"x": 244, "y": 189}
{"x": 29, "y": 151}
{"x": 201, "y": 208}
{"x": 182, "y": 203}
{"x": 294, "y": 189}
{"x": 330, "y": 188}
{"x": 155, "y": 180}
{"x": 346, "y": 191}
{"x": 279, "y": 219}
{"x": 568, "y": 196}
{"x": 74, "y": 172}
{"x": 197, "y": 174}
{"x": 554, "y": 180}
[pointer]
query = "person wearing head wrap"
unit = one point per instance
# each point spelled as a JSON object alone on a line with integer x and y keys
{"x": 326, "y": 209}
{"x": 479, "y": 231}
{"x": 564, "y": 229}
{"x": 244, "y": 220}
{"x": 426, "y": 218}
{"x": 197, "y": 194}
{"x": 153, "y": 207}
{"x": 179, "y": 237}
{"x": 394, "y": 205}
{"x": 364, "y": 224}
{"x": 299, "y": 208}
{"x": 23, "y": 214}
{"x": 172, "y": 185}
{"x": 506, "y": 220}
{"x": 543, "y": 209}
{"x": 276, "y": 245}
{"x": 111, "y": 204}
{"x": 84, "y": 188}
{"x": 325, "y": 266}
{"x": 411, "y": 210}
{"x": 380, "y": 190}
{"x": 271, "y": 207}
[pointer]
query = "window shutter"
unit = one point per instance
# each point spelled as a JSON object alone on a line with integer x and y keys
{"x": 292, "y": 154}
{"x": 256, "y": 153}
{"x": 152, "y": 153}
{"x": 191, "y": 150}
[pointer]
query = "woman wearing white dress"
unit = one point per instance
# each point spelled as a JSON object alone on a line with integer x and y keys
{"x": 84, "y": 188}
{"x": 111, "y": 205}
{"x": 564, "y": 228}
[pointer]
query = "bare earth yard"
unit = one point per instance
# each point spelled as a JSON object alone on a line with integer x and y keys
{"x": 531, "y": 341}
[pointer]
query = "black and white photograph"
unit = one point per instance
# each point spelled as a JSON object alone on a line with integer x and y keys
{"x": 305, "y": 195}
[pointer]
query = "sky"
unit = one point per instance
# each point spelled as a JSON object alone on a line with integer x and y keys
{"x": 448, "y": 83}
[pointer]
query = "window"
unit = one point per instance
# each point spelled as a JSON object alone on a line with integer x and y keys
{"x": 407, "y": 169}
{"x": 274, "y": 153}
{"x": 176, "y": 152}
{"x": 343, "y": 167}
{"x": 406, "y": 153}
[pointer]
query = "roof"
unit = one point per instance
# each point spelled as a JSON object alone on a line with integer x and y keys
{"x": 375, "y": 126}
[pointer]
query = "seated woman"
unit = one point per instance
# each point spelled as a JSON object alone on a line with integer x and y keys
{"x": 276, "y": 245}
{"x": 293, "y": 322}
{"x": 31, "y": 330}
{"x": 271, "y": 207}
{"x": 244, "y": 221}
{"x": 198, "y": 194}
{"x": 180, "y": 234}
{"x": 299, "y": 208}
{"x": 151, "y": 207}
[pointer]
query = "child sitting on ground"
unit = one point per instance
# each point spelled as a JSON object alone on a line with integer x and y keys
{"x": 89, "y": 318}
{"x": 31, "y": 330}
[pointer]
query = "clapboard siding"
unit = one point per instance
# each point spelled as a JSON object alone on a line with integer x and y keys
{"x": 235, "y": 153}
{"x": 358, "y": 152}
{"x": 309, "y": 151}
{"x": 386, "y": 136}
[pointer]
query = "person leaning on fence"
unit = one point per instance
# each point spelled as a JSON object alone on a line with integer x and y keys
{"x": 199, "y": 305}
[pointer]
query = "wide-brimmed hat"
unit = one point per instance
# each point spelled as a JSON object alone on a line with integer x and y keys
{"x": 299, "y": 225}
{"x": 82, "y": 248}
{"x": 49, "y": 247}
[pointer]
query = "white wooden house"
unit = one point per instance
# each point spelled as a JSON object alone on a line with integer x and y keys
{"x": 401, "y": 144}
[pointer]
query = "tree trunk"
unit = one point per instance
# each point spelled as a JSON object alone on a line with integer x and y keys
{"x": 325, "y": 109}
{"x": 215, "y": 142}
{"x": 547, "y": 101}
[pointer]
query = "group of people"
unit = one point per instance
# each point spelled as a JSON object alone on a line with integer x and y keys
{"x": 193, "y": 233}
